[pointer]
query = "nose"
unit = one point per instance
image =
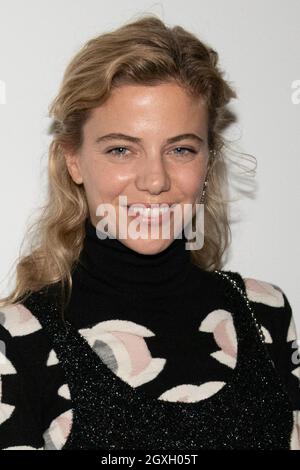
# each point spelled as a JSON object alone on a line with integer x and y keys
{"x": 152, "y": 176}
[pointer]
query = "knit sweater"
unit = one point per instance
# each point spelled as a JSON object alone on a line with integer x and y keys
{"x": 157, "y": 323}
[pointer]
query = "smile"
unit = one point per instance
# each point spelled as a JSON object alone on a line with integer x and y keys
{"x": 149, "y": 214}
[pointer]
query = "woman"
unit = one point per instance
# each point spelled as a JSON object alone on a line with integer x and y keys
{"x": 135, "y": 341}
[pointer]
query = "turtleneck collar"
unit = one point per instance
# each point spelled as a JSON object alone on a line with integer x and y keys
{"x": 110, "y": 264}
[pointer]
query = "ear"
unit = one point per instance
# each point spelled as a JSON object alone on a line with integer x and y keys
{"x": 73, "y": 165}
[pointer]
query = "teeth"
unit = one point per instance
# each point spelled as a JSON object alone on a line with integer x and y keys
{"x": 149, "y": 212}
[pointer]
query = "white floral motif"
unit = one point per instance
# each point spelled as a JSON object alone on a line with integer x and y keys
{"x": 18, "y": 320}
{"x": 220, "y": 323}
{"x": 6, "y": 368}
{"x": 295, "y": 436}
{"x": 121, "y": 346}
{"x": 52, "y": 358}
{"x": 192, "y": 393}
{"x": 57, "y": 434}
{"x": 264, "y": 292}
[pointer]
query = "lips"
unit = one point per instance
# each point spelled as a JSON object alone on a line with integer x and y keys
{"x": 154, "y": 204}
{"x": 152, "y": 213}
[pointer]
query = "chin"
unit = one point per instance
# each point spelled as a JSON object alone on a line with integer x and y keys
{"x": 147, "y": 247}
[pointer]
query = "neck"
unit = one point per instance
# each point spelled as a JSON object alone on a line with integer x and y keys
{"x": 108, "y": 262}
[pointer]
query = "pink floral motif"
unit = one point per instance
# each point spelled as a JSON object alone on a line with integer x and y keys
{"x": 220, "y": 323}
{"x": 264, "y": 292}
{"x": 292, "y": 334}
{"x": 121, "y": 346}
{"x": 56, "y": 435}
{"x": 18, "y": 320}
{"x": 6, "y": 368}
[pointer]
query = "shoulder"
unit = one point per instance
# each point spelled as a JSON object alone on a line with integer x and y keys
{"x": 23, "y": 339}
{"x": 22, "y": 319}
{"x": 264, "y": 292}
{"x": 271, "y": 305}
{"x": 18, "y": 320}
{"x": 274, "y": 312}
{"x": 272, "y": 308}
{"x": 265, "y": 297}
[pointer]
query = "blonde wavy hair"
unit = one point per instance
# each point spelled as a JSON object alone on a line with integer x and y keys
{"x": 144, "y": 51}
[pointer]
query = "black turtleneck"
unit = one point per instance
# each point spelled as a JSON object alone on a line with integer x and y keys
{"x": 164, "y": 292}
{"x": 111, "y": 264}
{"x": 110, "y": 273}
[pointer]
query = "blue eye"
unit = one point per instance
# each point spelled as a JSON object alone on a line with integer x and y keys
{"x": 115, "y": 151}
{"x": 116, "y": 148}
{"x": 117, "y": 154}
{"x": 186, "y": 149}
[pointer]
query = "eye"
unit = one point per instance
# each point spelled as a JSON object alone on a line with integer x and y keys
{"x": 186, "y": 149}
{"x": 112, "y": 151}
{"x": 120, "y": 151}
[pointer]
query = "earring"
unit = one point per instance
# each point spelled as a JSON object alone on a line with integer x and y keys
{"x": 213, "y": 154}
{"x": 202, "y": 200}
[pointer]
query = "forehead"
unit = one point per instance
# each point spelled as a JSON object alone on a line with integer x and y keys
{"x": 141, "y": 106}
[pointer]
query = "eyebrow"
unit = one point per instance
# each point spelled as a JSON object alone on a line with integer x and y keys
{"x": 114, "y": 135}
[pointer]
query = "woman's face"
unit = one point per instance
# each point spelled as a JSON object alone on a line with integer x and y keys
{"x": 144, "y": 165}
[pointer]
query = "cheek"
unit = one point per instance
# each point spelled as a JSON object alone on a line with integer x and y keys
{"x": 103, "y": 183}
{"x": 191, "y": 181}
